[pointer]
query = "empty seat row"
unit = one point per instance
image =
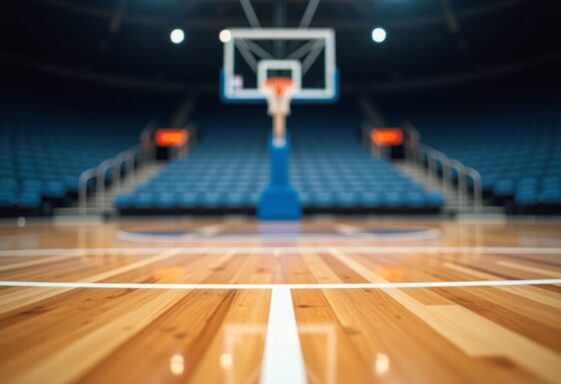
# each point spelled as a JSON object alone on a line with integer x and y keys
{"x": 515, "y": 148}
{"x": 188, "y": 200}
{"x": 43, "y": 151}
{"x": 229, "y": 168}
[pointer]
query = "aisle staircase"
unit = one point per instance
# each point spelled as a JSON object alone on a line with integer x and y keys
{"x": 103, "y": 204}
{"x": 455, "y": 203}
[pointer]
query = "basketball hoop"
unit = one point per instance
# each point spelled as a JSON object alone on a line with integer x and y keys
{"x": 318, "y": 86}
{"x": 279, "y": 91}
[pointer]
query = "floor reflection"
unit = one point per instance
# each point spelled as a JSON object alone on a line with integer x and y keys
{"x": 177, "y": 365}
{"x": 381, "y": 364}
{"x": 323, "y": 334}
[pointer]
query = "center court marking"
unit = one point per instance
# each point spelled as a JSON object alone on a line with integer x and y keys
{"x": 429, "y": 284}
{"x": 282, "y": 360}
{"x": 343, "y": 232}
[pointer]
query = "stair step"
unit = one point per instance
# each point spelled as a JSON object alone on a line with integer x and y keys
{"x": 94, "y": 206}
{"x": 451, "y": 195}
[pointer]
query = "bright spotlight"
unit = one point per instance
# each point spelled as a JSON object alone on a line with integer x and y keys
{"x": 379, "y": 35}
{"x": 225, "y": 36}
{"x": 177, "y": 36}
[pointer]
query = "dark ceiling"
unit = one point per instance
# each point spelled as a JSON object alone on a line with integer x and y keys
{"x": 131, "y": 38}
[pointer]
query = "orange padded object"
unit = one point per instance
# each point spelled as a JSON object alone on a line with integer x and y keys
{"x": 387, "y": 136}
{"x": 279, "y": 84}
{"x": 171, "y": 137}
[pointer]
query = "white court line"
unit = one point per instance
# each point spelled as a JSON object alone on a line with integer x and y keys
{"x": 418, "y": 233}
{"x": 282, "y": 360}
{"x": 230, "y": 286}
{"x": 425, "y": 234}
{"x": 294, "y": 249}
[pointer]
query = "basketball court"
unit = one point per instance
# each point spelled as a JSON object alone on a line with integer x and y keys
{"x": 324, "y": 301}
{"x": 269, "y": 192}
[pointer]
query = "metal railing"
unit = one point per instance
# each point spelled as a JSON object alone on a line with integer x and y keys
{"x": 376, "y": 150}
{"x": 433, "y": 158}
{"x": 422, "y": 154}
{"x": 128, "y": 161}
{"x": 127, "y": 158}
{"x": 83, "y": 184}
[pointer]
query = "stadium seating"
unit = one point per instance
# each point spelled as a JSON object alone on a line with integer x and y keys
{"x": 44, "y": 150}
{"x": 230, "y": 167}
{"x": 515, "y": 149}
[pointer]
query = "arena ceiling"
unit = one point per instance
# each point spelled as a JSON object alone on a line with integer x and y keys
{"x": 128, "y": 40}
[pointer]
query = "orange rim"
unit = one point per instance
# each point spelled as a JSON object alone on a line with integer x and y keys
{"x": 279, "y": 85}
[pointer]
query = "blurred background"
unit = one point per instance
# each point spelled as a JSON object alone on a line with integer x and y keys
{"x": 475, "y": 82}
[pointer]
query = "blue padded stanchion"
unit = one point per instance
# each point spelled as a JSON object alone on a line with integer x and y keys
{"x": 279, "y": 201}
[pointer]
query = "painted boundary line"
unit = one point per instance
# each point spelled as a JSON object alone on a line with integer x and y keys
{"x": 282, "y": 360}
{"x": 295, "y": 249}
{"x": 426, "y": 234}
{"x": 430, "y": 284}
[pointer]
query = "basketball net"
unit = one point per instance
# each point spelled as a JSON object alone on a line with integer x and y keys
{"x": 279, "y": 92}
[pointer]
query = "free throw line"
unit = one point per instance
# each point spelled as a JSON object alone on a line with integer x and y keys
{"x": 231, "y": 286}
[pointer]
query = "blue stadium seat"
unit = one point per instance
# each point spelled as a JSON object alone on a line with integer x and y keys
{"x": 124, "y": 201}
{"x": 7, "y": 199}
{"x": 44, "y": 150}
{"x": 515, "y": 149}
{"x": 415, "y": 199}
{"x": 370, "y": 199}
{"x": 392, "y": 199}
{"x": 504, "y": 188}
{"x": 30, "y": 200}
{"x": 143, "y": 200}
{"x": 189, "y": 200}
{"x": 526, "y": 197}
{"x": 165, "y": 200}
{"x": 329, "y": 168}
{"x": 32, "y": 185}
{"x": 213, "y": 199}
{"x": 8, "y": 185}
{"x": 435, "y": 199}
{"x": 237, "y": 199}
{"x": 55, "y": 189}
{"x": 346, "y": 199}
{"x": 551, "y": 196}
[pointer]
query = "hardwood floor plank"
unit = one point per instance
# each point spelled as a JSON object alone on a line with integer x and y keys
{"x": 237, "y": 349}
{"x": 480, "y": 337}
{"x": 69, "y": 363}
{"x": 28, "y": 296}
{"x": 524, "y": 316}
{"x": 377, "y": 327}
{"x": 34, "y": 262}
{"x": 532, "y": 293}
{"x": 550, "y": 272}
{"x": 434, "y": 335}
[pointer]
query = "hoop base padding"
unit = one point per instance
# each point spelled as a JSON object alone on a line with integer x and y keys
{"x": 279, "y": 201}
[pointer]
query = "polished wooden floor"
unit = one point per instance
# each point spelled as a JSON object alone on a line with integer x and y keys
{"x": 207, "y": 322}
